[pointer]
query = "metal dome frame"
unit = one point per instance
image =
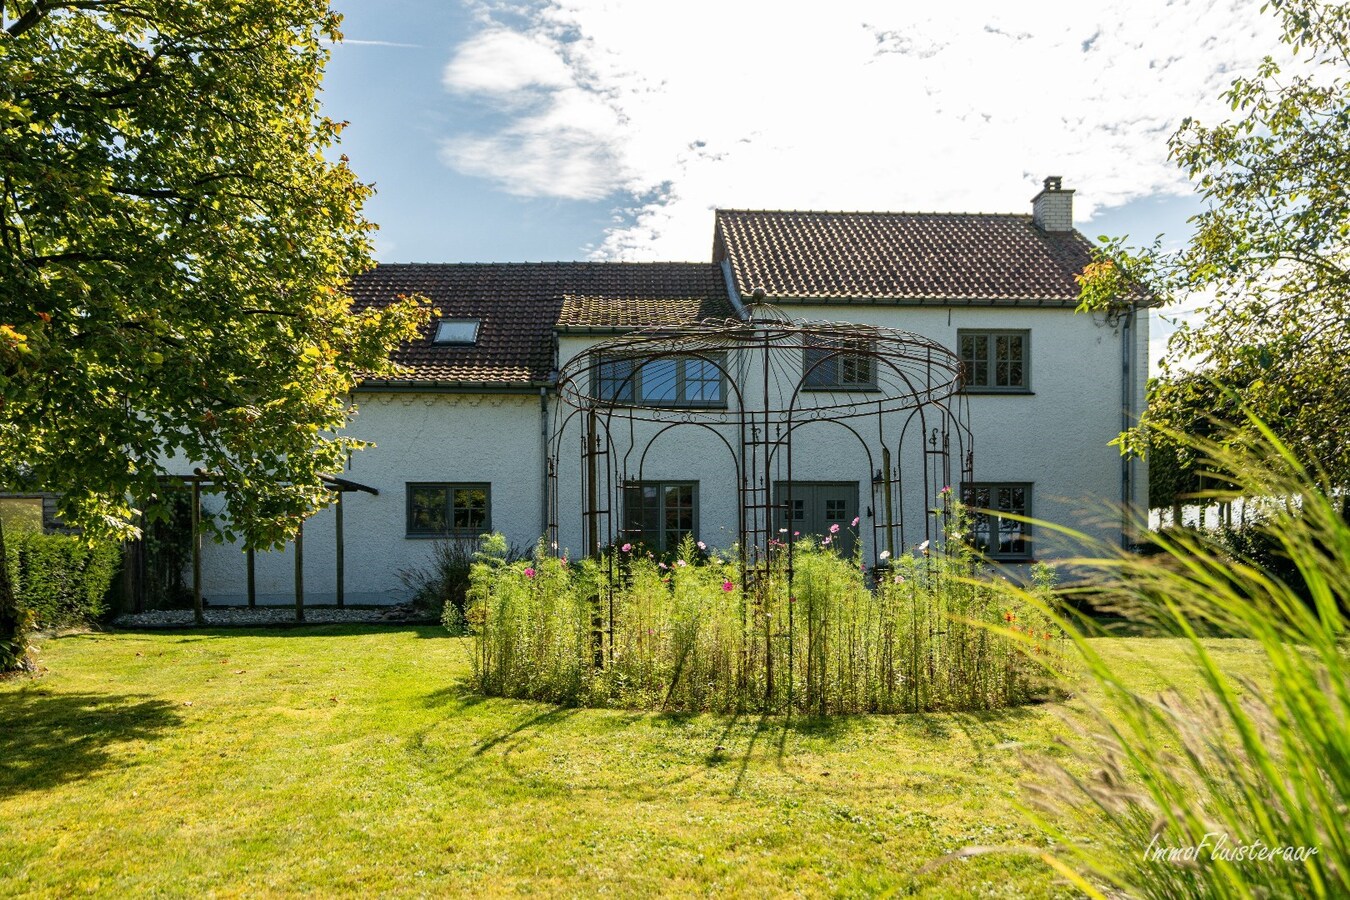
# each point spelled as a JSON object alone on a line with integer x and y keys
{"x": 904, "y": 406}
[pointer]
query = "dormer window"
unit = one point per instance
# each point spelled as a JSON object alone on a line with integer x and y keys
{"x": 463, "y": 332}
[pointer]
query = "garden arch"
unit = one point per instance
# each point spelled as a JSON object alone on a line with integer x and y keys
{"x": 758, "y": 386}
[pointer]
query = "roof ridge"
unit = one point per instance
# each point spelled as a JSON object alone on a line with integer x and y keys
{"x": 876, "y": 212}
{"x": 597, "y": 263}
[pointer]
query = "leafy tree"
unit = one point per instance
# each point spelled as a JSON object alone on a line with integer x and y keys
{"x": 1272, "y": 248}
{"x": 173, "y": 248}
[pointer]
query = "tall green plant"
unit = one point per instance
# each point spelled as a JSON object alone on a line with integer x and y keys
{"x": 684, "y": 634}
{"x": 1183, "y": 786}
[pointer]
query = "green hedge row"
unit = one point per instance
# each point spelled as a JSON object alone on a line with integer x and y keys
{"x": 60, "y": 579}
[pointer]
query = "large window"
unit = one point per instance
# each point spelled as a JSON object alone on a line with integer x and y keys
{"x": 659, "y": 514}
{"x": 839, "y": 364}
{"x": 441, "y": 509}
{"x": 996, "y": 360}
{"x": 992, "y": 534}
{"x": 667, "y": 381}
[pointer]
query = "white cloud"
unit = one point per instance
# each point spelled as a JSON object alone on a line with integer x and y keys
{"x": 676, "y": 109}
{"x": 500, "y": 62}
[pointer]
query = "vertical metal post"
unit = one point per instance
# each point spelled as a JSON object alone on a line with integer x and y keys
{"x": 591, "y": 453}
{"x": 886, "y": 492}
{"x": 198, "y": 614}
{"x": 592, "y": 486}
{"x": 300, "y": 572}
{"x": 341, "y": 577}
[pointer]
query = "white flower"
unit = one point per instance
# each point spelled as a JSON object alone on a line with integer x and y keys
{"x": 884, "y": 555}
{"x": 702, "y": 546}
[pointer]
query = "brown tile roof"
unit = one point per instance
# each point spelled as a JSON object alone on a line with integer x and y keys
{"x": 656, "y": 295}
{"x": 978, "y": 258}
{"x": 520, "y": 304}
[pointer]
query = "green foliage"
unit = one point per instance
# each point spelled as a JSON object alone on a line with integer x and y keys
{"x": 441, "y": 588}
{"x": 174, "y": 240}
{"x": 16, "y": 625}
{"x": 1271, "y": 248}
{"x": 687, "y": 636}
{"x": 1246, "y": 763}
{"x": 59, "y": 579}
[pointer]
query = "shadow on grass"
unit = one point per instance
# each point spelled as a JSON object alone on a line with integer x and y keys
{"x": 191, "y": 634}
{"x": 49, "y": 739}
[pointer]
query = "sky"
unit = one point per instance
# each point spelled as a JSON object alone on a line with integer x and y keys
{"x": 611, "y": 129}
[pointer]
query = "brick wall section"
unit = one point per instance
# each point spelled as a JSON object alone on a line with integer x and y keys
{"x": 1052, "y": 210}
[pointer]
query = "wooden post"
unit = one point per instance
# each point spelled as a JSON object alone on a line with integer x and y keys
{"x": 300, "y": 572}
{"x": 340, "y": 575}
{"x": 139, "y": 576}
{"x": 252, "y": 577}
{"x": 198, "y": 615}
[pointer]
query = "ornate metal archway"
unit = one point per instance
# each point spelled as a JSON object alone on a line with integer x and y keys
{"x": 754, "y": 385}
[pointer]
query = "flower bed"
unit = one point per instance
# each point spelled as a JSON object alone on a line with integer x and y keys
{"x": 920, "y": 634}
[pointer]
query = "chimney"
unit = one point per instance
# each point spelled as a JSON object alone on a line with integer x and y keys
{"x": 1052, "y": 208}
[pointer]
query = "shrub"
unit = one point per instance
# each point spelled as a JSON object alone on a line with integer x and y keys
{"x": 440, "y": 588}
{"x": 59, "y": 579}
{"x": 686, "y": 635}
{"x": 1247, "y": 762}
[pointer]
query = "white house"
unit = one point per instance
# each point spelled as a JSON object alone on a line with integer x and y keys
{"x": 464, "y": 440}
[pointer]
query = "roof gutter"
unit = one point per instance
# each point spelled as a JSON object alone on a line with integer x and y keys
{"x": 452, "y": 387}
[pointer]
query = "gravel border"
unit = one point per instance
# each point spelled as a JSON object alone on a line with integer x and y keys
{"x": 243, "y": 616}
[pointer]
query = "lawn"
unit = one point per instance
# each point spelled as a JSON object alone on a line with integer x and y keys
{"x": 341, "y": 760}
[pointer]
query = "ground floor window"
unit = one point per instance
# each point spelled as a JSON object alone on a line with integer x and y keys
{"x": 995, "y": 536}
{"x": 659, "y": 514}
{"x": 436, "y": 509}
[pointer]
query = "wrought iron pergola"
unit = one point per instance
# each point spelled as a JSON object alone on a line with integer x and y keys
{"x": 757, "y": 385}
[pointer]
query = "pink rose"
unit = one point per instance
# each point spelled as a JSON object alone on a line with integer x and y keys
{"x": 626, "y": 548}
{"x": 834, "y": 529}
{"x": 728, "y": 586}
{"x": 529, "y": 573}
{"x": 856, "y": 520}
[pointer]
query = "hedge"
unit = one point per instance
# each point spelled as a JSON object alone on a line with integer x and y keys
{"x": 60, "y": 579}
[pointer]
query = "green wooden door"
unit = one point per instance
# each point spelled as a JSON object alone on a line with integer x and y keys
{"x": 812, "y": 507}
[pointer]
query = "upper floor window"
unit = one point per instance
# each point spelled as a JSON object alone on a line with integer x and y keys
{"x": 839, "y": 364}
{"x": 993, "y": 535}
{"x": 440, "y": 509}
{"x": 665, "y": 381}
{"x": 996, "y": 360}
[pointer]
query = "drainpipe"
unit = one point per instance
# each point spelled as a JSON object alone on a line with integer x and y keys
{"x": 1127, "y": 379}
{"x": 543, "y": 462}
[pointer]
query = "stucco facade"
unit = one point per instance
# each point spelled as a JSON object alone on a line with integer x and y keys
{"x": 1083, "y": 378}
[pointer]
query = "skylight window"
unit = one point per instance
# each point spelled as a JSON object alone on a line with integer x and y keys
{"x": 457, "y": 331}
